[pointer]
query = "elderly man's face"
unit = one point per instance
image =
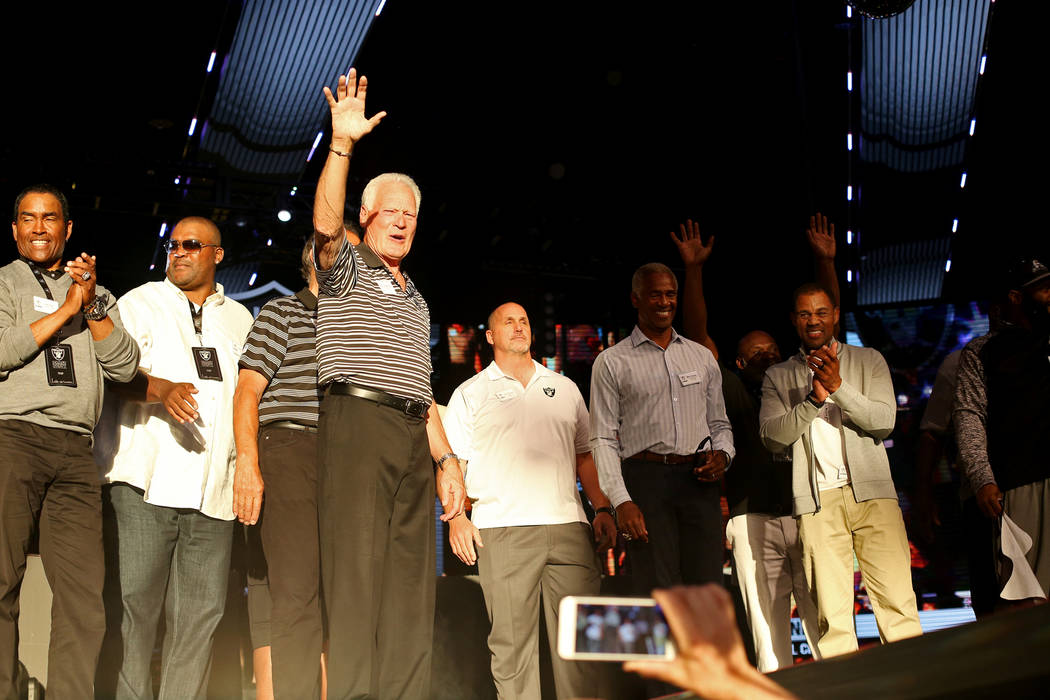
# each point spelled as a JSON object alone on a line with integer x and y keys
{"x": 41, "y": 230}
{"x": 391, "y": 225}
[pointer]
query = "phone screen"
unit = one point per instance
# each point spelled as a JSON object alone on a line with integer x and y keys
{"x": 616, "y": 631}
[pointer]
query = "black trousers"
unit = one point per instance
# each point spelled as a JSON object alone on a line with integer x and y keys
{"x": 376, "y": 509}
{"x": 49, "y": 477}
{"x": 684, "y": 520}
{"x": 292, "y": 554}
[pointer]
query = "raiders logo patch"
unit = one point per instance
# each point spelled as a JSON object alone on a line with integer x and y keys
{"x": 549, "y": 391}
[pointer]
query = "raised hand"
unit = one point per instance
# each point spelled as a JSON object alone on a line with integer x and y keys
{"x": 821, "y": 237}
{"x": 349, "y": 123}
{"x": 690, "y": 246}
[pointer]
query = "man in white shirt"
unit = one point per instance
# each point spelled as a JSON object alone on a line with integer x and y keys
{"x": 522, "y": 432}
{"x": 169, "y": 456}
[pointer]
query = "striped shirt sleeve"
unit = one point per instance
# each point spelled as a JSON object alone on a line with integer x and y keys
{"x": 339, "y": 279}
{"x": 267, "y": 341}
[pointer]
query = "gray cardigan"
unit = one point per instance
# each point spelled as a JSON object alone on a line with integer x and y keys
{"x": 24, "y": 392}
{"x": 869, "y": 411}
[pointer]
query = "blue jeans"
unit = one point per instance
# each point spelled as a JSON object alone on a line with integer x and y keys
{"x": 187, "y": 554}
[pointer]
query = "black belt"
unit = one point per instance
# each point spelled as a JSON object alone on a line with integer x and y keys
{"x": 647, "y": 456}
{"x": 290, "y": 425}
{"x": 411, "y": 407}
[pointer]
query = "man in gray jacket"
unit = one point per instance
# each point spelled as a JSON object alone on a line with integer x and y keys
{"x": 833, "y": 405}
{"x": 59, "y": 338}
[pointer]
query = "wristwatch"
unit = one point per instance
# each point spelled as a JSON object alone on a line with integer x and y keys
{"x": 605, "y": 509}
{"x": 96, "y": 310}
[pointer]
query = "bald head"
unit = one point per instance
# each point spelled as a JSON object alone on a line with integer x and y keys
{"x": 509, "y": 331}
{"x": 749, "y": 341}
{"x": 755, "y": 353}
{"x": 201, "y": 225}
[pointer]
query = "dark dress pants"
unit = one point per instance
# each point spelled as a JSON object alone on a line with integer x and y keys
{"x": 288, "y": 530}
{"x": 48, "y": 476}
{"x": 684, "y": 520}
{"x": 376, "y": 508}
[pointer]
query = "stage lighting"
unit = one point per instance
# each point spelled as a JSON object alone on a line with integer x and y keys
{"x": 284, "y": 216}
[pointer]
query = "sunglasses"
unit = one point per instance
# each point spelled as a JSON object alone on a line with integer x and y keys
{"x": 190, "y": 245}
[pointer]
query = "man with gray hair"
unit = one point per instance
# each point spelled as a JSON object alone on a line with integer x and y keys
{"x": 378, "y": 429}
{"x": 656, "y": 404}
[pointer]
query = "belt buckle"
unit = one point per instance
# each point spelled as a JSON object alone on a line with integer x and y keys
{"x": 416, "y": 409}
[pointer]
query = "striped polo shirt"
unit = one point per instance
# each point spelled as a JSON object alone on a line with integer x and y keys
{"x": 370, "y": 332}
{"x": 280, "y": 346}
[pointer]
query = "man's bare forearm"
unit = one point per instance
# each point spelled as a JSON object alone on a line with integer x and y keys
{"x": 695, "y": 312}
{"x": 246, "y": 424}
{"x": 330, "y": 202}
{"x": 587, "y": 473}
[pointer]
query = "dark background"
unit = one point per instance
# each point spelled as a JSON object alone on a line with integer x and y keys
{"x": 556, "y": 145}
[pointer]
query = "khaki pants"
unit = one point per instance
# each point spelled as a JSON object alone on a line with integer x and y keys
{"x": 516, "y": 565}
{"x": 874, "y": 530}
{"x": 767, "y": 559}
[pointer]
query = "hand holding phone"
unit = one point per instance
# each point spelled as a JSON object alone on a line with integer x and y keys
{"x": 598, "y": 628}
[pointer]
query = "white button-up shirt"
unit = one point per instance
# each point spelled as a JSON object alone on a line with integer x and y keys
{"x": 187, "y": 465}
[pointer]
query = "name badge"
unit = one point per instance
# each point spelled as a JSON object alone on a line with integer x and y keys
{"x": 688, "y": 378}
{"x": 58, "y": 360}
{"x": 388, "y": 287}
{"x": 207, "y": 361}
{"x": 45, "y": 306}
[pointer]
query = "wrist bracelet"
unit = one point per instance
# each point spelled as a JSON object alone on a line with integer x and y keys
{"x": 605, "y": 509}
{"x": 339, "y": 153}
{"x": 813, "y": 401}
{"x": 444, "y": 457}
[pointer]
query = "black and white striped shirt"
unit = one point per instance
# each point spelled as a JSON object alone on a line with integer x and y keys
{"x": 280, "y": 346}
{"x": 369, "y": 331}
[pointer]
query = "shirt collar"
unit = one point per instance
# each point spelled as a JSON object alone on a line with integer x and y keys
{"x": 368, "y": 255}
{"x": 216, "y": 297}
{"x": 308, "y": 299}
{"x": 494, "y": 373}
{"x": 55, "y": 274}
{"x": 637, "y": 337}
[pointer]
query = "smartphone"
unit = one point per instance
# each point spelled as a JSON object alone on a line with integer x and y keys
{"x": 600, "y": 628}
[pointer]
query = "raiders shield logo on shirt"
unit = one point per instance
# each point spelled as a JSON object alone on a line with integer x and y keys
{"x": 549, "y": 391}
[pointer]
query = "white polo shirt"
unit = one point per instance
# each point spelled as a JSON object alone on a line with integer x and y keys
{"x": 520, "y": 444}
{"x": 187, "y": 465}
